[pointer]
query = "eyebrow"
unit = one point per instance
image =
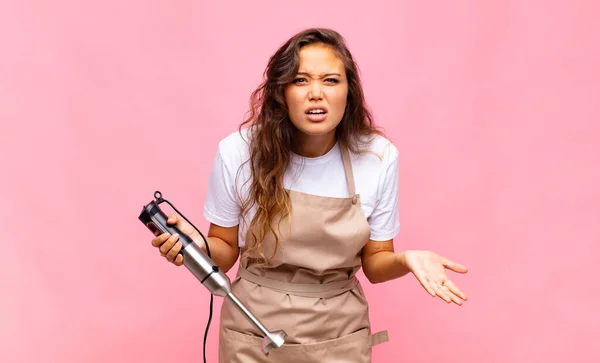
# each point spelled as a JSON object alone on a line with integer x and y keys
{"x": 324, "y": 75}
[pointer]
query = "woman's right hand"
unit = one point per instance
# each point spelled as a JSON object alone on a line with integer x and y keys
{"x": 169, "y": 245}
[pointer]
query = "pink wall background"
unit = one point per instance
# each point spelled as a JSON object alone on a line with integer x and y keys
{"x": 493, "y": 105}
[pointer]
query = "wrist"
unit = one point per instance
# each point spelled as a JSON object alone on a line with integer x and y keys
{"x": 401, "y": 259}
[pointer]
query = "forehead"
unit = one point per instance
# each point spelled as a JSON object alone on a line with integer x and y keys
{"x": 319, "y": 59}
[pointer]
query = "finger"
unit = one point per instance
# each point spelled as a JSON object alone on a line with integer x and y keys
{"x": 178, "y": 260}
{"x": 455, "y": 290}
{"x": 173, "y": 252}
{"x": 442, "y": 294}
{"x": 157, "y": 241}
{"x": 454, "y": 266}
{"x": 172, "y": 219}
{"x": 424, "y": 282}
{"x": 166, "y": 247}
{"x": 437, "y": 287}
{"x": 455, "y": 299}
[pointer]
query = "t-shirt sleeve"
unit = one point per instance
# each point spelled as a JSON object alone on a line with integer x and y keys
{"x": 221, "y": 206}
{"x": 384, "y": 220}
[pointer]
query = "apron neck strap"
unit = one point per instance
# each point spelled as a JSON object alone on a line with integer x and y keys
{"x": 348, "y": 169}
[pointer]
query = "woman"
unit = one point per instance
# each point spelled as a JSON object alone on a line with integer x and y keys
{"x": 307, "y": 195}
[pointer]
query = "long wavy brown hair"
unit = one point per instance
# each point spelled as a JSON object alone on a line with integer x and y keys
{"x": 272, "y": 133}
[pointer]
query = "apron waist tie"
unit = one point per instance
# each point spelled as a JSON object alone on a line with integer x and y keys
{"x": 325, "y": 290}
{"x": 379, "y": 338}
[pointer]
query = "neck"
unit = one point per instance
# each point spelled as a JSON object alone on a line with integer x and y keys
{"x": 312, "y": 146}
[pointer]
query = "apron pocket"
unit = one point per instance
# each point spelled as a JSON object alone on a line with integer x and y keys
{"x": 236, "y": 347}
{"x": 355, "y": 347}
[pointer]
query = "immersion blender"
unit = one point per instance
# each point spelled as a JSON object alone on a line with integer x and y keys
{"x": 204, "y": 268}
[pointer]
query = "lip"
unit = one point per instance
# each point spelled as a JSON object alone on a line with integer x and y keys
{"x": 316, "y": 108}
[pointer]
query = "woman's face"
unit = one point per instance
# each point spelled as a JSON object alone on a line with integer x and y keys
{"x": 317, "y": 97}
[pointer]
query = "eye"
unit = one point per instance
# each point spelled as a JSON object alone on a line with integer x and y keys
{"x": 297, "y": 80}
{"x": 333, "y": 80}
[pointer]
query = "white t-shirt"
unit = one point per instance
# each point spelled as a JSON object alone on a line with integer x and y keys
{"x": 375, "y": 178}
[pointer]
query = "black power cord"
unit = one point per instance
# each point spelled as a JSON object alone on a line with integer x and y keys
{"x": 210, "y": 311}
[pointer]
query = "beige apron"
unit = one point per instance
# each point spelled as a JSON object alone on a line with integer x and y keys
{"x": 309, "y": 289}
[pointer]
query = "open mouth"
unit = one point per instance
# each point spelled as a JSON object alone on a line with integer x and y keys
{"x": 316, "y": 114}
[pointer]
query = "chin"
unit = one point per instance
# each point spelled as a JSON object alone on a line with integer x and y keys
{"x": 317, "y": 129}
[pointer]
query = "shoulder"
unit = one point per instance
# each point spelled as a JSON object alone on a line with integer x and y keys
{"x": 233, "y": 149}
{"x": 236, "y": 141}
{"x": 377, "y": 149}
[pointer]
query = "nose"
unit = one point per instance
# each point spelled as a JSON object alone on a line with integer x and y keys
{"x": 315, "y": 92}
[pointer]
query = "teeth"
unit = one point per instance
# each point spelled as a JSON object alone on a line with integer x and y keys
{"x": 316, "y": 111}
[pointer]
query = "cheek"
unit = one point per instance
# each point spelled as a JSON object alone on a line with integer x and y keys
{"x": 337, "y": 100}
{"x": 294, "y": 100}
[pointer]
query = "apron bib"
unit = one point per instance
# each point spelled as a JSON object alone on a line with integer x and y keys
{"x": 309, "y": 288}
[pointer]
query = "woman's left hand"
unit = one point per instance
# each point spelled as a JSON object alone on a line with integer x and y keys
{"x": 429, "y": 268}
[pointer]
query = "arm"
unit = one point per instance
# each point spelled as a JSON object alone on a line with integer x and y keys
{"x": 222, "y": 207}
{"x": 223, "y": 244}
{"x": 380, "y": 262}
